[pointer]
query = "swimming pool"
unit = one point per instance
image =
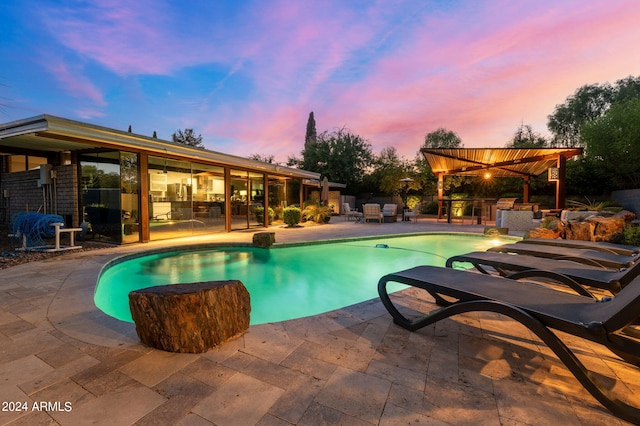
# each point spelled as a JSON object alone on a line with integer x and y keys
{"x": 289, "y": 281}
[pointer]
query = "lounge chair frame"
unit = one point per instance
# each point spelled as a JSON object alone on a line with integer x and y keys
{"x": 565, "y": 271}
{"x": 586, "y": 256}
{"x": 605, "y": 247}
{"x": 540, "y": 309}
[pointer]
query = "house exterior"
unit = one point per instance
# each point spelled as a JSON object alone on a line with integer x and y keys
{"x": 128, "y": 188}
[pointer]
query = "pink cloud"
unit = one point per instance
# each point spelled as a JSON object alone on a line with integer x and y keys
{"x": 75, "y": 83}
{"x": 128, "y": 37}
{"x": 493, "y": 79}
{"x": 389, "y": 73}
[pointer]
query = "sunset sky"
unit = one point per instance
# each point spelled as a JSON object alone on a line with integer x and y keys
{"x": 246, "y": 74}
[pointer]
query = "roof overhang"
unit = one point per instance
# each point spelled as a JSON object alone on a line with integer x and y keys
{"x": 499, "y": 162}
{"x": 46, "y": 133}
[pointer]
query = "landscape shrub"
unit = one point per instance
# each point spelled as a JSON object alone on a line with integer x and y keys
{"x": 291, "y": 216}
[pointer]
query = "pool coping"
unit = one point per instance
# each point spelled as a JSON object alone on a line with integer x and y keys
{"x": 346, "y": 366}
{"x": 91, "y": 325}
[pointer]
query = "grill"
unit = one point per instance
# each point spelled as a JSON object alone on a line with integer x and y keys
{"x": 505, "y": 203}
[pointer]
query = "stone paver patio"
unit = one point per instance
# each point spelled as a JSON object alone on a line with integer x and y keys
{"x": 352, "y": 366}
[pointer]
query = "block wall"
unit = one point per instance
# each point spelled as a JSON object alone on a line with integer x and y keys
{"x": 61, "y": 197}
{"x": 629, "y": 199}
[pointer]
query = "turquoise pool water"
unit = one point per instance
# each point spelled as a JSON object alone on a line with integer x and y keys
{"x": 285, "y": 282}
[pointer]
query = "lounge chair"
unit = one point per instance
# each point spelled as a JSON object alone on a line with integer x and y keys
{"x": 605, "y": 247}
{"x": 517, "y": 266}
{"x": 541, "y": 310}
{"x": 372, "y": 212}
{"x": 590, "y": 257}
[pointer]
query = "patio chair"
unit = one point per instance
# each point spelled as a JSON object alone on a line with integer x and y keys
{"x": 540, "y": 309}
{"x": 390, "y": 212}
{"x": 605, "y": 247}
{"x": 480, "y": 212}
{"x": 590, "y": 257}
{"x": 456, "y": 210}
{"x": 349, "y": 212}
{"x": 565, "y": 271}
{"x": 413, "y": 214}
{"x": 372, "y": 212}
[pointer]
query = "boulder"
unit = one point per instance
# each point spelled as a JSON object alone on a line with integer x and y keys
{"x": 264, "y": 239}
{"x": 626, "y": 215}
{"x": 192, "y": 317}
{"x": 579, "y": 231}
{"x": 607, "y": 228}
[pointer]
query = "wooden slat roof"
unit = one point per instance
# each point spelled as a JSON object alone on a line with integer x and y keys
{"x": 500, "y": 162}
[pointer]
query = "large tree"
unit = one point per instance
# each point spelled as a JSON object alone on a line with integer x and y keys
{"x": 613, "y": 142}
{"x": 526, "y": 137}
{"x": 442, "y": 138}
{"x": 587, "y": 104}
{"x": 340, "y": 155}
{"x": 311, "y": 135}
{"x": 187, "y": 137}
{"x": 385, "y": 173}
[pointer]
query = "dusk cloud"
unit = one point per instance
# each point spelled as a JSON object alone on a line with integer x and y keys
{"x": 247, "y": 74}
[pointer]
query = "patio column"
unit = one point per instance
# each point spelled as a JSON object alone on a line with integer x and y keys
{"x": 265, "y": 186}
{"x": 440, "y": 193}
{"x": 143, "y": 216}
{"x": 561, "y": 188}
{"x": 525, "y": 189}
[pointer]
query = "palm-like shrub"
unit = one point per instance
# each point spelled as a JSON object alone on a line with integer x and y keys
{"x": 317, "y": 213}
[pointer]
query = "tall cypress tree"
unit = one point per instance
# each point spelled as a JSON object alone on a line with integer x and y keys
{"x": 311, "y": 137}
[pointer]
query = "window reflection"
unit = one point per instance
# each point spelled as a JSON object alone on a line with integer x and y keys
{"x": 184, "y": 198}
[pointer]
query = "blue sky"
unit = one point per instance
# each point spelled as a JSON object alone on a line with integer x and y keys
{"x": 246, "y": 74}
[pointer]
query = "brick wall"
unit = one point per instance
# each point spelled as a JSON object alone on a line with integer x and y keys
{"x": 25, "y": 195}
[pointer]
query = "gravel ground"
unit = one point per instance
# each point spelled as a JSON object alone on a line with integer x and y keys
{"x": 9, "y": 256}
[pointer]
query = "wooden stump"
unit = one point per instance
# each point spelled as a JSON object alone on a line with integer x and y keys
{"x": 493, "y": 231}
{"x": 264, "y": 239}
{"x": 190, "y": 317}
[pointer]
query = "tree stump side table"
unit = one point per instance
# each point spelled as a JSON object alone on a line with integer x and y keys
{"x": 190, "y": 318}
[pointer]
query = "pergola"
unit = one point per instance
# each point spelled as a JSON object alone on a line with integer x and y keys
{"x": 502, "y": 162}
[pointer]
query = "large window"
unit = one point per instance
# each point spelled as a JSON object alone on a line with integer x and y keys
{"x": 247, "y": 199}
{"x": 110, "y": 195}
{"x": 21, "y": 163}
{"x": 184, "y": 198}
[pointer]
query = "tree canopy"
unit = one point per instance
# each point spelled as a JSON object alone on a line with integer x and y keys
{"x": 526, "y": 137}
{"x": 613, "y": 143}
{"x": 187, "y": 137}
{"x": 442, "y": 138}
{"x": 587, "y": 104}
{"x": 340, "y": 155}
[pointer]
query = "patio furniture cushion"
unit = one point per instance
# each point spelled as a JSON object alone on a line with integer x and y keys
{"x": 372, "y": 212}
{"x": 390, "y": 212}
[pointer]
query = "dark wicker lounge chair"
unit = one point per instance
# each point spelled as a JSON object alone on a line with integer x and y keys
{"x": 540, "y": 309}
{"x": 567, "y": 272}
{"x": 589, "y": 257}
{"x": 604, "y": 247}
